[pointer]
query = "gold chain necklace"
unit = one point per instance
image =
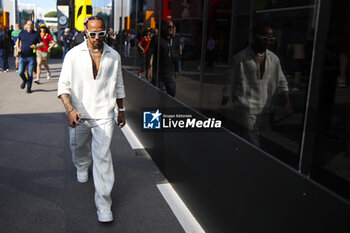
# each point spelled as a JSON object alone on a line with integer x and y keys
{"x": 95, "y": 56}
{"x": 98, "y": 51}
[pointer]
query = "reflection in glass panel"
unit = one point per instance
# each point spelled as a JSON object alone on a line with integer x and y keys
{"x": 332, "y": 142}
{"x": 103, "y": 8}
{"x": 217, "y": 56}
{"x": 188, "y": 19}
{"x": 139, "y": 27}
{"x": 177, "y": 71}
{"x": 293, "y": 27}
{"x": 256, "y": 78}
{"x": 128, "y": 37}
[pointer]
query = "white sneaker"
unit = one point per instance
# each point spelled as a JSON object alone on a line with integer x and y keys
{"x": 105, "y": 216}
{"x": 48, "y": 75}
{"x": 82, "y": 177}
{"x": 37, "y": 81}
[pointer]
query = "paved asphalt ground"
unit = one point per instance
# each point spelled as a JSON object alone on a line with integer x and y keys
{"x": 38, "y": 188}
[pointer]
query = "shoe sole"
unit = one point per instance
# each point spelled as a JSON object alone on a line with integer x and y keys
{"x": 82, "y": 178}
{"x": 105, "y": 217}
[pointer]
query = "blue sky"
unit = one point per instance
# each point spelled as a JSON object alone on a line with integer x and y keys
{"x": 44, "y": 4}
{"x": 51, "y": 4}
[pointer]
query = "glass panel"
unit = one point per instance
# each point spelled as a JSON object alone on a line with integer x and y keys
{"x": 140, "y": 26}
{"x": 103, "y": 8}
{"x": 217, "y": 55}
{"x": 180, "y": 52}
{"x": 332, "y": 142}
{"x": 129, "y": 52}
{"x": 188, "y": 19}
{"x": 185, "y": 44}
{"x": 260, "y": 93}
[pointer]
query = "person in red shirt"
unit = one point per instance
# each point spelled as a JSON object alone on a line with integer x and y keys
{"x": 143, "y": 45}
{"x": 42, "y": 54}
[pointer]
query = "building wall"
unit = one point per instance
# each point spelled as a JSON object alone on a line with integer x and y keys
{"x": 295, "y": 178}
{"x": 28, "y": 9}
{"x": 10, "y": 6}
{"x": 121, "y": 9}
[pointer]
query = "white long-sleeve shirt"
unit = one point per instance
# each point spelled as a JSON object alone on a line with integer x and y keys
{"x": 250, "y": 92}
{"x": 92, "y": 98}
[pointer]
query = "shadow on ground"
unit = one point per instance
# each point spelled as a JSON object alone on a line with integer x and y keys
{"x": 39, "y": 191}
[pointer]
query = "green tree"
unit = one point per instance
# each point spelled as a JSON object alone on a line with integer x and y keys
{"x": 51, "y": 14}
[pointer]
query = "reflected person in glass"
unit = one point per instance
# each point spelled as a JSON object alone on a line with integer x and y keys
{"x": 254, "y": 84}
{"x": 169, "y": 55}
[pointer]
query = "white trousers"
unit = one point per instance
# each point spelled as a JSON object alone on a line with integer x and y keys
{"x": 89, "y": 143}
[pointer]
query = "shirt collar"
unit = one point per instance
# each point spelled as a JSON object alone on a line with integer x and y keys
{"x": 105, "y": 47}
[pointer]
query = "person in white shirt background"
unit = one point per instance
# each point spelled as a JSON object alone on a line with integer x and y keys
{"x": 255, "y": 82}
{"x": 90, "y": 86}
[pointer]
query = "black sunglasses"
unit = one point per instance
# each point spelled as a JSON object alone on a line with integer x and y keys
{"x": 267, "y": 39}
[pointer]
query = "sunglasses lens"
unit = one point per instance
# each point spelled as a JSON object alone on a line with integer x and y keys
{"x": 267, "y": 39}
{"x": 99, "y": 34}
{"x": 102, "y": 34}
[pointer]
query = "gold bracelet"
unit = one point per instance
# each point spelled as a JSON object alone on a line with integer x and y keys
{"x": 69, "y": 111}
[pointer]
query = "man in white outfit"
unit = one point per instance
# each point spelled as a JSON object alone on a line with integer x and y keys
{"x": 90, "y": 86}
{"x": 255, "y": 83}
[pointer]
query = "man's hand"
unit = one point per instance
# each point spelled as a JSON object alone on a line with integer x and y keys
{"x": 177, "y": 74}
{"x": 73, "y": 119}
{"x": 33, "y": 46}
{"x": 121, "y": 120}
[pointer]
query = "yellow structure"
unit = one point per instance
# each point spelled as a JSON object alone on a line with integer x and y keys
{"x": 150, "y": 20}
{"x": 4, "y": 19}
{"x": 83, "y": 9}
{"x": 127, "y": 23}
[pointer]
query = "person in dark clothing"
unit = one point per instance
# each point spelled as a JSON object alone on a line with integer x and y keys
{"x": 169, "y": 55}
{"x": 9, "y": 33}
{"x": 5, "y": 44}
{"x": 110, "y": 38}
{"x": 127, "y": 39}
{"x": 66, "y": 38}
{"x": 28, "y": 41}
{"x": 81, "y": 37}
